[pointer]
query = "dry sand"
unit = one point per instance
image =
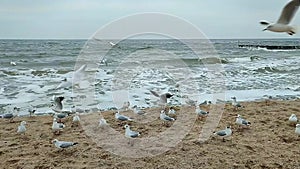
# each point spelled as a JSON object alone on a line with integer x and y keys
{"x": 269, "y": 143}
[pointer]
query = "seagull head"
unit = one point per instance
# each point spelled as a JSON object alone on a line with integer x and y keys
{"x": 54, "y": 141}
{"x": 126, "y": 126}
{"x": 168, "y": 95}
{"x": 23, "y": 123}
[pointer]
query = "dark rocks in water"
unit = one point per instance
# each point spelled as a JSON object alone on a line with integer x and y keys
{"x": 270, "y": 47}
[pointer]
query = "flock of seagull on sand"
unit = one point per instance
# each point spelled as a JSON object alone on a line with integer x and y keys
{"x": 166, "y": 115}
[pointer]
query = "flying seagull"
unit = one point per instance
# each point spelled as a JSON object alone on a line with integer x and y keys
{"x": 285, "y": 18}
{"x": 163, "y": 97}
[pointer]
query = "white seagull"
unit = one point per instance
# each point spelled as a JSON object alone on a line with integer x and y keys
{"x": 125, "y": 106}
{"x": 63, "y": 144}
{"x": 297, "y": 130}
{"x": 235, "y": 104}
{"x": 172, "y": 111}
{"x": 137, "y": 110}
{"x": 22, "y": 128}
{"x": 293, "y": 119}
{"x": 57, "y": 106}
{"x": 224, "y": 133}
{"x": 242, "y": 122}
{"x": 285, "y": 18}
{"x": 121, "y": 117}
{"x": 129, "y": 133}
{"x": 200, "y": 112}
{"x": 102, "y": 122}
{"x": 76, "y": 118}
{"x": 57, "y": 127}
{"x": 164, "y": 117}
{"x": 163, "y": 98}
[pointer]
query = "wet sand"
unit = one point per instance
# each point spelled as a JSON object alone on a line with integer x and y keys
{"x": 270, "y": 142}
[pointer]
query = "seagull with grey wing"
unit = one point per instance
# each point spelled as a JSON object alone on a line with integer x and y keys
{"x": 138, "y": 111}
{"x": 224, "y": 133}
{"x": 242, "y": 122}
{"x": 287, "y": 14}
{"x": 12, "y": 115}
{"x": 129, "y": 133}
{"x": 164, "y": 117}
{"x": 121, "y": 117}
{"x": 163, "y": 98}
{"x": 57, "y": 106}
{"x": 63, "y": 144}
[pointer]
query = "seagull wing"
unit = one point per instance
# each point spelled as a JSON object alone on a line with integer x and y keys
{"x": 263, "y": 22}
{"x": 154, "y": 93}
{"x": 221, "y": 133}
{"x": 64, "y": 144}
{"x": 288, "y": 12}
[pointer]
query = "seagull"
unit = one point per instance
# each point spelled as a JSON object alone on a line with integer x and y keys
{"x": 112, "y": 44}
{"x": 297, "y": 130}
{"x": 76, "y": 118}
{"x": 163, "y": 98}
{"x": 129, "y": 133}
{"x": 31, "y": 110}
{"x": 285, "y": 18}
{"x": 74, "y": 80}
{"x": 121, "y": 117}
{"x": 293, "y": 119}
{"x": 22, "y": 128}
{"x": 58, "y": 106}
{"x": 125, "y": 106}
{"x": 164, "y": 117}
{"x": 235, "y": 104}
{"x": 224, "y": 133}
{"x": 172, "y": 111}
{"x": 11, "y": 116}
{"x": 242, "y": 122}
{"x": 63, "y": 144}
{"x": 200, "y": 112}
{"x": 13, "y": 63}
{"x": 190, "y": 101}
{"x": 56, "y": 127}
{"x": 102, "y": 122}
{"x": 137, "y": 110}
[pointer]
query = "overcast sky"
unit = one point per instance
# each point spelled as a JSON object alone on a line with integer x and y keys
{"x": 82, "y": 18}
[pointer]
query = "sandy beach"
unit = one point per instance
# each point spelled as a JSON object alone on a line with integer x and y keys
{"x": 270, "y": 142}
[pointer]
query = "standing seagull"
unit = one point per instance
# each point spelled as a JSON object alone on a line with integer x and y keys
{"x": 285, "y": 18}
{"x": 164, "y": 117}
{"x": 235, "y": 104}
{"x": 137, "y": 110}
{"x": 129, "y": 133}
{"x": 102, "y": 122}
{"x": 22, "y": 128}
{"x": 163, "y": 98}
{"x": 242, "y": 122}
{"x": 297, "y": 130}
{"x": 224, "y": 133}
{"x": 63, "y": 144}
{"x": 201, "y": 113}
{"x": 11, "y": 116}
{"x": 293, "y": 119}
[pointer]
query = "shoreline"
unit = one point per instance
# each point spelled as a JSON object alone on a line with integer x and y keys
{"x": 270, "y": 142}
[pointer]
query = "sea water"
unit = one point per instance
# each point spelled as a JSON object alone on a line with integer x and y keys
{"x": 135, "y": 66}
